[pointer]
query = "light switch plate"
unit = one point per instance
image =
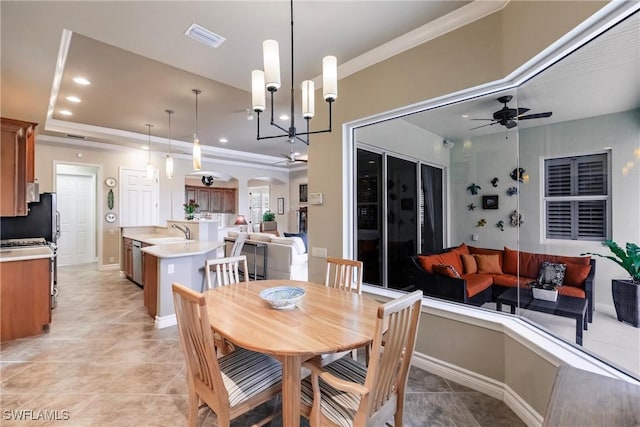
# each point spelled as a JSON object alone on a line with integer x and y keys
{"x": 319, "y": 252}
{"x": 170, "y": 269}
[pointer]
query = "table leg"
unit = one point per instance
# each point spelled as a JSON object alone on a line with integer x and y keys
{"x": 579, "y": 326}
{"x": 291, "y": 391}
{"x": 498, "y": 306}
{"x": 513, "y": 308}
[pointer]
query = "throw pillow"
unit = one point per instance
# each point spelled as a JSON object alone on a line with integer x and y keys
{"x": 446, "y": 270}
{"x": 488, "y": 264}
{"x": 469, "y": 263}
{"x": 551, "y": 273}
{"x": 303, "y": 236}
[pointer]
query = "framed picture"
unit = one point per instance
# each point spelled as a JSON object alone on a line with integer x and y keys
{"x": 280, "y": 205}
{"x": 303, "y": 193}
{"x": 489, "y": 202}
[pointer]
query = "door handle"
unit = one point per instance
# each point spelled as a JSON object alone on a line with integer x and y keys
{"x": 57, "y": 224}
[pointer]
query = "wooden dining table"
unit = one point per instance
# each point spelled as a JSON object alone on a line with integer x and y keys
{"x": 325, "y": 320}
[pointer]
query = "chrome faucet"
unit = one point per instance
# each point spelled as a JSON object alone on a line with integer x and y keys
{"x": 185, "y": 230}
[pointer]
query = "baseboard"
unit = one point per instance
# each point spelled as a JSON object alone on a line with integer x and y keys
{"x": 480, "y": 383}
{"x": 165, "y": 321}
{"x": 109, "y": 267}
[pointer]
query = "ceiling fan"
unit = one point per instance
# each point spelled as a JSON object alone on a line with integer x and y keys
{"x": 508, "y": 117}
{"x": 291, "y": 159}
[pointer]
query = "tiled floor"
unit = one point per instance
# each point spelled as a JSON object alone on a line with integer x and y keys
{"x": 103, "y": 363}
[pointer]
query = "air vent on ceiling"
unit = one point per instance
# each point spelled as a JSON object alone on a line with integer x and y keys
{"x": 70, "y": 135}
{"x": 203, "y": 35}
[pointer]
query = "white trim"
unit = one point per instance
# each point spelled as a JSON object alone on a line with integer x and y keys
{"x": 63, "y": 50}
{"x": 110, "y": 267}
{"x": 480, "y": 383}
{"x": 162, "y": 322}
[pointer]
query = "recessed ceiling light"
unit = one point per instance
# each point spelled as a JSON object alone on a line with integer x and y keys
{"x": 465, "y": 116}
{"x": 65, "y": 112}
{"x": 223, "y": 140}
{"x": 81, "y": 81}
{"x": 73, "y": 99}
{"x": 144, "y": 147}
{"x": 283, "y": 117}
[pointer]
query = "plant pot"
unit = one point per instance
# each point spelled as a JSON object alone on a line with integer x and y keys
{"x": 626, "y": 299}
{"x": 545, "y": 294}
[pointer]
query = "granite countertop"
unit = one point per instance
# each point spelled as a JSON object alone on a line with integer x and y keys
{"x": 151, "y": 238}
{"x": 182, "y": 249}
{"x": 25, "y": 254}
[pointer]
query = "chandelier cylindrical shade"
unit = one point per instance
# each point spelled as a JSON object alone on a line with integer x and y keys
{"x": 257, "y": 90}
{"x": 168, "y": 167}
{"x": 197, "y": 155}
{"x": 308, "y": 99}
{"x": 330, "y": 78}
{"x": 271, "y": 56}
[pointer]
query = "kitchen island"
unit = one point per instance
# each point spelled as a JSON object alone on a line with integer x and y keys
{"x": 25, "y": 291}
{"x": 166, "y": 263}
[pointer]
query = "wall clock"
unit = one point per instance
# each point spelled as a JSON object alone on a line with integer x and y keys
{"x": 110, "y": 217}
{"x": 110, "y": 182}
{"x": 207, "y": 180}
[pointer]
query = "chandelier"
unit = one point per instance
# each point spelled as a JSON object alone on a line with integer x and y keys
{"x": 269, "y": 79}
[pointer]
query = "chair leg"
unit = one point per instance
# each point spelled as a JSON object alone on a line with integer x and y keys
{"x": 194, "y": 402}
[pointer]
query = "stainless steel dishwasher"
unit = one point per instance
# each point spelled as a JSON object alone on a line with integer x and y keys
{"x": 137, "y": 262}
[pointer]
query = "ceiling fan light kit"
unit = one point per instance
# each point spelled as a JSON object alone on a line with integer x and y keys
{"x": 269, "y": 80}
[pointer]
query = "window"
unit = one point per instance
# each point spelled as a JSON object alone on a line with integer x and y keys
{"x": 577, "y": 197}
{"x": 258, "y": 203}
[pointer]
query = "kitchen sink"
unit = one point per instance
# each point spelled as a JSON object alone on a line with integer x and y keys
{"x": 168, "y": 239}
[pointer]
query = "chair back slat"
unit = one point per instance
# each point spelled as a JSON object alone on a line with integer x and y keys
{"x": 197, "y": 340}
{"x": 345, "y": 274}
{"x": 236, "y": 249}
{"x": 391, "y": 354}
{"x": 227, "y": 270}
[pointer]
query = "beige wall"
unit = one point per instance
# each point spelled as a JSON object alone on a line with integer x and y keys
{"x": 474, "y": 54}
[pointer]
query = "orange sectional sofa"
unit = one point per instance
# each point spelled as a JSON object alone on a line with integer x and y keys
{"x": 476, "y": 275}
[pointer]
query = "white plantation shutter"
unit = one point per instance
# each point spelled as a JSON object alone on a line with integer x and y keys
{"x": 576, "y": 197}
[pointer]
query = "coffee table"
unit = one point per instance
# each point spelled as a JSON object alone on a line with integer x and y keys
{"x": 565, "y": 306}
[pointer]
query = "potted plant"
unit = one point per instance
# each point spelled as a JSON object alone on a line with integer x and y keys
{"x": 268, "y": 216}
{"x": 190, "y": 208}
{"x": 544, "y": 291}
{"x": 626, "y": 293}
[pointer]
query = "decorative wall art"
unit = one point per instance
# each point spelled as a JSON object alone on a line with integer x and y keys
{"x": 471, "y": 206}
{"x": 494, "y": 182}
{"x": 473, "y": 188}
{"x": 500, "y": 225}
{"x": 280, "y": 205}
{"x": 489, "y": 202}
{"x": 516, "y": 219}
{"x": 110, "y": 199}
{"x": 303, "y": 193}
{"x": 512, "y": 191}
{"x": 481, "y": 223}
{"x": 517, "y": 174}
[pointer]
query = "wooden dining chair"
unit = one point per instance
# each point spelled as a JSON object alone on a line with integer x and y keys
{"x": 344, "y": 274}
{"x": 227, "y": 270}
{"x": 230, "y": 385}
{"x": 352, "y": 393}
{"x": 236, "y": 249}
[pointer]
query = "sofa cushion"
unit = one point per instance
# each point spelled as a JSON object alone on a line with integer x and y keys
{"x": 469, "y": 264}
{"x": 552, "y": 272}
{"x": 510, "y": 281}
{"x": 296, "y": 242}
{"x": 488, "y": 264}
{"x": 477, "y": 283}
{"x": 450, "y": 257}
{"x": 530, "y": 262}
{"x": 303, "y": 236}
{"x": 572, "y": 291}
{"x": 446, "y": 270}
{"x": 576, "y": 275}
{"x": 260, "y": 237}
{"x": 482, "y": 251}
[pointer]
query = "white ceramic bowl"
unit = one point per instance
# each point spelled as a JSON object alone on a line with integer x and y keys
{"x": 282, "y": 297}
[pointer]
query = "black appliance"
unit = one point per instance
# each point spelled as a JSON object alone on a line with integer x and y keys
{"x": 42, "y": 221}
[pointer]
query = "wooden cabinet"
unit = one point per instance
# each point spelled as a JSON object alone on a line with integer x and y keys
{"x": 25, "y": 297}
{"x": 127, "y": 257}
{"x": 212, "y": 199}
{"x": 150, "y": 279}
{"x": 17, "y": 165}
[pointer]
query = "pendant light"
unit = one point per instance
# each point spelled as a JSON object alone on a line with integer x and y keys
{"x": 150, "y": 171}
{"x": 168, "y": 164}
{"x": 197, "y": 151}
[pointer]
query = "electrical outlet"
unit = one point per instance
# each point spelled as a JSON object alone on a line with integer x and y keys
{"x": 319, "y": 252}
{"x": 170, "y": 268}
{"x": 474, "y": 237}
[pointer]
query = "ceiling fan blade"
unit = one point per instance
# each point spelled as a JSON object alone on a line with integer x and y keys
{"x": 302, "y": 160}
{"x": 488, "y": 124}
{"x": 522, "y": 110}
{"x": 482, "y": 119}
{"x": 536, "y": 116}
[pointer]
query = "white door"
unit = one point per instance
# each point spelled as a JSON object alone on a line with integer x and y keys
{"x": 77, "y": 207}
{"x": 138, "y": 198}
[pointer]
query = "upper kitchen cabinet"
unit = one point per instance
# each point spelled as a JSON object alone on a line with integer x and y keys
{"x": 17, "y": 157}
{"x": 213, "y": 199}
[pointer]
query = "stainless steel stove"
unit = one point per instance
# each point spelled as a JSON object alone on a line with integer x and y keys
{"x": 20, "y": 243}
